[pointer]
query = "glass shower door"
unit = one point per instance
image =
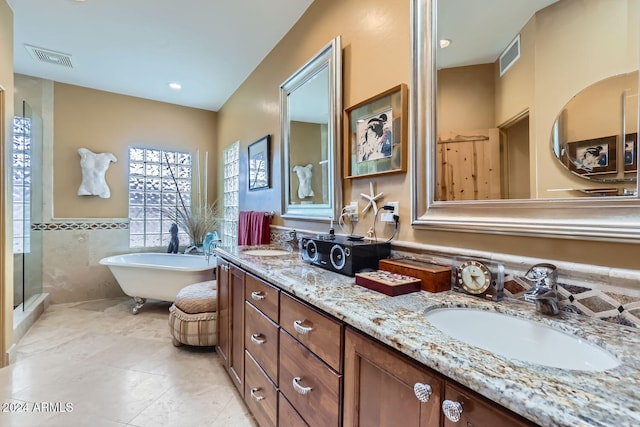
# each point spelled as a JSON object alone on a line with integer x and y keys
{"x": 27, "y": 205}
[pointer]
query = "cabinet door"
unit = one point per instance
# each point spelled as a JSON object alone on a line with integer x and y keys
{"x": 379, "y": 387}
{"x": 236, "y": 353}
{"x": 475, "y": 410}
{"x": 224, "y": 319}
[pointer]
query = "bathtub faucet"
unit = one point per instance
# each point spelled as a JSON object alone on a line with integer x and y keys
{"x": 190, "y": 249}
{"x": 211, "y": 240}
{"x": 208, "y": 251}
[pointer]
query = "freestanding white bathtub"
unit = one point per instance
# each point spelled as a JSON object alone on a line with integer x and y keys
{"x": 158, "y": 275}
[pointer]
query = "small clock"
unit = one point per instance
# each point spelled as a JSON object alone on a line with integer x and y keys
{"x": 483, "y": 278}
{"x": 474, "y": 277}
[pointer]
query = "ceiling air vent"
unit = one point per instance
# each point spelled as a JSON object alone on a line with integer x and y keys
{"x": 50, "y": 56}
{"x": 510, "y": 55}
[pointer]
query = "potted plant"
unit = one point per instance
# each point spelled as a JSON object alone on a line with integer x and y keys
{"x": 197, "y": 221}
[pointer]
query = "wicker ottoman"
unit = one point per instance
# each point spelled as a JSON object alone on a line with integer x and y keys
{"x": 193, "y": 317}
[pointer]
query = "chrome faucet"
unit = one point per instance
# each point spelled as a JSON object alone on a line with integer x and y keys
{"x": 543, "y": 291}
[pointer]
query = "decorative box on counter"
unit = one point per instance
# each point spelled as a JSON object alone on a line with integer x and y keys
{"x": 388, "y": 283}
{"x": 434, "y": 277}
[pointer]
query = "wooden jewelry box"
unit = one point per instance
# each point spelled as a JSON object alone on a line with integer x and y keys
{"x": 434, "y": 277}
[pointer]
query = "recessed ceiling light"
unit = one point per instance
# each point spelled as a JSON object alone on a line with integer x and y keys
{"x": 175, "y": 85}
{"x": 445, "y": 43}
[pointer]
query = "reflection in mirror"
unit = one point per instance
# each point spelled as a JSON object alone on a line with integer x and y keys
{"x": 493, "y": 91}
{"x": 483, "y": 161}
{"x": 595, "y": 136}
{"x": 310, "y": 108}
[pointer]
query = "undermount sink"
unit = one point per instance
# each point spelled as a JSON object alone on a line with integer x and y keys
{"x": 266, "y": 252}
{"x": 521, "y": 339}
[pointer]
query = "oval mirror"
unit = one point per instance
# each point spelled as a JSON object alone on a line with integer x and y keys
{"x": 310, "y": 111}
{"x": 595, "y": 135}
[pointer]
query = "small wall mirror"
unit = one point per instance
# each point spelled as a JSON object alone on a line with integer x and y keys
{"x": 483, "y": 158}
{"x": 310, "y": 111}
{"x": 595, "y": 135}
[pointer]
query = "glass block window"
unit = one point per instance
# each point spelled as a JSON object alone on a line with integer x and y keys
{"x": 231, "y": 194}
{"x": 21, "y": 182}
{"x": 155, "y": 176}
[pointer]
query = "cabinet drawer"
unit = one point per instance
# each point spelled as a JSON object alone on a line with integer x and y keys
{"x": 287, "y": 416}
{"x": 263, "y": 296}
{"x": 478, "y": 411}
{"x": 312, "y": 387}
{"x": 261, "y": 340}
{"x": 321, "y": 334}
{"x": 260, "y": 394}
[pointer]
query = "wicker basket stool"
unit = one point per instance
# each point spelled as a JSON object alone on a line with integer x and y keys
{"x": 193, "y": 317}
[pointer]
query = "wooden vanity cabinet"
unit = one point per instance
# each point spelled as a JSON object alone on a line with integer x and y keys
{"x": 379, "y": 387}
{"x": 302, "y": 368}
{"x": 230, "y": 326}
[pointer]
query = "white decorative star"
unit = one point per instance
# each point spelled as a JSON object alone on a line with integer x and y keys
{"x": 372, "y": 199}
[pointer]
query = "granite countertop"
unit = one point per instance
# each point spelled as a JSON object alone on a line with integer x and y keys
{"x": 546, "y": 396}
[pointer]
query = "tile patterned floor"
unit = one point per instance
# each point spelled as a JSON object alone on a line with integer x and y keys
{"x": 95, "y": 364}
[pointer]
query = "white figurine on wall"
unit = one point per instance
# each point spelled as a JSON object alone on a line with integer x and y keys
{"x": 94, "y": 167}
{"x": 304, "y": 177}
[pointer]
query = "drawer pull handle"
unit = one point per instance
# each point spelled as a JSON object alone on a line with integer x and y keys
{"x": 452, "y": 410}
{"x": 300, "y": 389}
{"x": 257, "y": 339}
{"x": 422, "y": 392}
{"x": 257, "y": 295}
{"x": 254, "y": 396}
{"x": 297, "y": 325}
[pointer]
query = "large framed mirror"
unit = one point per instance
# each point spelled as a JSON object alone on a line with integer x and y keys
{"x": 497, "y": 145}
{"x": 310, "y": 114}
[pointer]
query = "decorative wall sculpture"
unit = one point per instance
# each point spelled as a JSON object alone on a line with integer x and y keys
{"x": 94, "y": 167}
{"x": 304, "y": 177}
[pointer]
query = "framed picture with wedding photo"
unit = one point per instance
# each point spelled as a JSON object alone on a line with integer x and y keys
{"x": 376, "y": 135}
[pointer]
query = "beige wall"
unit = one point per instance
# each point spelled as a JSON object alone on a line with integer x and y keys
{"x": 466, "y": 97}
{"x": 6, "y": 114}
{"x": 376, "y": 57}
{"x": 597, "y": 110}
{"x": 108, "y": 122}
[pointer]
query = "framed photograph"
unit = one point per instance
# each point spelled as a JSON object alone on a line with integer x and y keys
{"x": 592, "y": 156}
{"x": 631, "y": 152}
{"x": 259, "y": 156}
{"x": 375, "y": 140}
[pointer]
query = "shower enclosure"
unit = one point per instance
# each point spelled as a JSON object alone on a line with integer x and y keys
{"x": 27, "y": 206}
